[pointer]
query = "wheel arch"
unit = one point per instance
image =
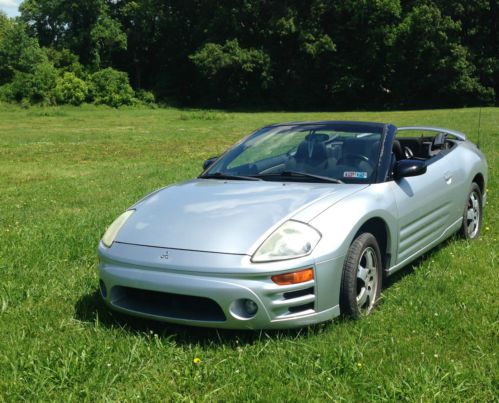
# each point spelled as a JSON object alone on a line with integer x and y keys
{"x": 480, "y": 181}
{"x": 379, "y": 228}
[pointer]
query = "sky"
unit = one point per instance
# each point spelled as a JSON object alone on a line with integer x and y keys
{"x": 10, "y": 7}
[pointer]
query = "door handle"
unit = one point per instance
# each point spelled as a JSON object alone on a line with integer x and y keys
{"x": 448, "y": 178}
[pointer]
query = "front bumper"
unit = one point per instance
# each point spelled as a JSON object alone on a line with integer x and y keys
{"x": 209, "y": 289}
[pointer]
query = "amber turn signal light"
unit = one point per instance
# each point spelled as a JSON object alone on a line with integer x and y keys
{"x": 294, "y": 278}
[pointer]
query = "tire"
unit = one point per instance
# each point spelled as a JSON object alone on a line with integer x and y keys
{"x": 362, "y": 277}
{"x": 472, "y": 215}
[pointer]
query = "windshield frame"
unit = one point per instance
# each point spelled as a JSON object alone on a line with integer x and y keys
{"x": 379, "y": 168}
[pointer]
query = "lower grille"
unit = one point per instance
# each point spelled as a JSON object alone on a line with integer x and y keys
{"x": 301, "y": 308}
{"x": 167, "y": 305}
{"x": 299, "y": 293}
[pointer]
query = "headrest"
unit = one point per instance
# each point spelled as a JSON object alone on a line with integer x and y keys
{"x": 311, "y": 152}
{"x": 397, "y": 150}
{"x": 317, "y": 137}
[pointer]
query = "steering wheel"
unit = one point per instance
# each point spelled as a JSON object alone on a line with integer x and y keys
{"x": 408, "y": 153}
{"x": 353, "y": 157}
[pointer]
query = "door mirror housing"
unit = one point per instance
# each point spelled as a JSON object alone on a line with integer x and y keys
{"x": 209, "y": 162}
{"x": 405, "y": 168}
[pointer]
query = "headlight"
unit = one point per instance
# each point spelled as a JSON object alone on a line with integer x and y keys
{"x": 291, "y": 240}
{"x": 115, "y": 227}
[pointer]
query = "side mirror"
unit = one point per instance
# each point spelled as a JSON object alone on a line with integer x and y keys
{"x": 209, "y": 162}
{"x": 405, "y": 168}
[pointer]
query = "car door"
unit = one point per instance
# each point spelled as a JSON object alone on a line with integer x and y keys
{"x": 425, "y": 207}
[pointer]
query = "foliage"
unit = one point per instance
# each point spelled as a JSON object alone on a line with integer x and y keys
{"x": 233, "y": 73}
{"x": 106, "y": 37}
{"x": 427, "y": 46}
{"x": 293, "y": 54}
{"x": 85, "y": 27}
{"x": 146, "y": 97}
{"x": 36, "y": 87}
{"x": 18, "y": 51}
{"x": 70, "y": 89}
{"x": 67, "y": 172}
{"x": 30, "y": 74}
{"x": 111, "y": 87}
{"x": 66, "y": 61}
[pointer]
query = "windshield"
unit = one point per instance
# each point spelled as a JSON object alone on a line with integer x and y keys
{"x": 306, "y": 153}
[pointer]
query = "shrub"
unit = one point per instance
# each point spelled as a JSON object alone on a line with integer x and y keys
{"x": 70, "y": 89}
{"x": 146, "y": 97}
{"x": 35, "y": 87}
{"x": 111, "y": 87}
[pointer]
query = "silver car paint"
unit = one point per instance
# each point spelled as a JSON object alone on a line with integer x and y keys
{"x": 337, "y": 211}
{"x": 210, "y": 215}
{"x": 223, "y": 278}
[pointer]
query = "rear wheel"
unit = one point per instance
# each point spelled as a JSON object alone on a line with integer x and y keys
{"x": 472, "y": 215}
{"x": 362, "y": 274}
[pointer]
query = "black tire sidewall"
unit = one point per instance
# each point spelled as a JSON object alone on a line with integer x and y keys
{"x": 464, "y": 227}
{"x": 348, "y": 292}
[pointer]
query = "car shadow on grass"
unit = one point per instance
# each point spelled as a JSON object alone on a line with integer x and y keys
{"x": 91, "y": 309}
{"x": 411, "y": 267}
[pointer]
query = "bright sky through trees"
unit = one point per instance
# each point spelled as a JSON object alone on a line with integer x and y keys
{"x": 10, "y": 7}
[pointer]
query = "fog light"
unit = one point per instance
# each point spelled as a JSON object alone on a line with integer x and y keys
{"x": 103, "y": 289}
{"x": 243, "y": 309}
{"x": 250, "y": 307}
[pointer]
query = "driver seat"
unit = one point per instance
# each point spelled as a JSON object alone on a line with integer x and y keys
{"x": 397, "y": 150}
{"x": 311, "y": 153}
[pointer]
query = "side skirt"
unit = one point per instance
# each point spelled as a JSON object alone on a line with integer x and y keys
{"x": 452, "y": 229}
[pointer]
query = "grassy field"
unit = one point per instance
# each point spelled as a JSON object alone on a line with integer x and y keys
{"x": 66, "y": 173}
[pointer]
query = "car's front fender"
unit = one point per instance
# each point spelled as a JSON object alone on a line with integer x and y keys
{"x": 341, "y": 222}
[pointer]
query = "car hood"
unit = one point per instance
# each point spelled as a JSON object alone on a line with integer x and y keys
{"x": 225, "y": 216}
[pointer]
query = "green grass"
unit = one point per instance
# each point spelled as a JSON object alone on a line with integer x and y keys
{"x": 66, "y": 173}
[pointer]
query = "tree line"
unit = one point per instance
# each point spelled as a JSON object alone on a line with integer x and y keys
{"x": 253, "y": 53}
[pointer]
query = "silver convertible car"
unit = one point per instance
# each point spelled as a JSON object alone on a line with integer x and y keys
{"x": 295, "y": 224}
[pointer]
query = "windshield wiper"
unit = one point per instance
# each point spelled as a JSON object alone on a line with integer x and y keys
{"x": 303, "y": 175}
{"x": 220, "y": 175}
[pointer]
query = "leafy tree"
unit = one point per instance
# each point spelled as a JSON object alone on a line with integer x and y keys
{"x": 430, "y": 65}
{"x": 106, "y": 36}
{"x": 233, "y": 72}
{"x": 141, "y": 21}
{"x": 479, "y": 22}
{"x": 66, "y": 61}
{"x": 85, "y": 27}
{"x": 320, "y": 53}
{"x": 18, "y": 51}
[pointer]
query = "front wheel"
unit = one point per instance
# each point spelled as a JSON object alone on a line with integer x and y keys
{"x": 472, "y": 216}
{"x": 362, "y": 275}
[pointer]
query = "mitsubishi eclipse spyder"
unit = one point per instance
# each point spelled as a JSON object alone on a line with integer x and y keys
{"x": 295, "y": 224}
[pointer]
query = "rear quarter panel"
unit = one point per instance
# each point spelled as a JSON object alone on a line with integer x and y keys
{"x": 465, "y": 162}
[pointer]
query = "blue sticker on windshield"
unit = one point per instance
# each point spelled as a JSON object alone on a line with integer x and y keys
{"x": 355, "y": 174}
